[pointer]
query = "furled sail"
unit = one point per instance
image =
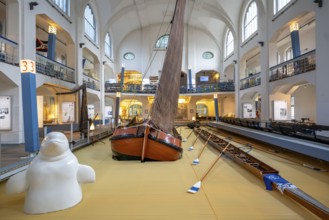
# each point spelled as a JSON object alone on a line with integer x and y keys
{"x": 166, "y": 98}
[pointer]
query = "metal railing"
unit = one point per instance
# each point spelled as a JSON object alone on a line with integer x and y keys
{"x": 298, "y": 65}
{"x": 54, "y": 69}
{"x": 250, "y": 81}
{"x": 8, "y": 51}
{"x": 208, "y": 87}
{"x": 91, "y": 83}
{"x": 14, "y": 158}
{"x": 151, "y": 88}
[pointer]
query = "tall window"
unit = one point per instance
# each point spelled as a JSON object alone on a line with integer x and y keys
{"x": 250, "y": 21}
{"x": 288, "y": 54}
{"x": 90, "y": 24}
{"x": 162, "y": 42}
{"x": 279, "y": 4}
{"x": 64, "y": 5}
{"x": 108, "y": 45}
{"x": 201, "y": 110}
{"x": 292, "y": 105}
{"x": 229, "y": 44}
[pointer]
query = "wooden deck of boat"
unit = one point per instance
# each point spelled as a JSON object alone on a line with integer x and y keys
{"x": 158, "y": 190}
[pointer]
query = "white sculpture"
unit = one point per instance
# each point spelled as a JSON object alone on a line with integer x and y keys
{"x": 52, "y": 180}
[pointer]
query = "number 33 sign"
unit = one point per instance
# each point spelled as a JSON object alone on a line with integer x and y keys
{"x": 27, "y": 66}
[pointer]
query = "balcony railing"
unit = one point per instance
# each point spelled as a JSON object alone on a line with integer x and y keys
{"x": 54, "y": 69}
{"x": 8, "y": 51}
{"x": 250, "y": 81}
{"x": 209, "y": 87}
{"x": 151, "y": 89}
{"x": 91, "y": 82}
{"x": 298, "y": 65}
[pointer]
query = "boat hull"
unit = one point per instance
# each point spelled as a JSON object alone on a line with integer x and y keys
{"x": 130, "y": 143}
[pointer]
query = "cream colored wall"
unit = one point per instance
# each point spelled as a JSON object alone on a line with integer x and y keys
{"x": 282, "y": 97}
{"x": 305, "y": 103}
{"x": 228, "y": 106}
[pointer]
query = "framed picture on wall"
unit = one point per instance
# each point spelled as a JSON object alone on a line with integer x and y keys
{"x": 108, "y": 112}
{"x": 5, "y": 112}
{"x": 280, "y": 111}
{"x": 91, "y": 111}
{"x": 67, "y": 112}
{"x": 248, "y": 111}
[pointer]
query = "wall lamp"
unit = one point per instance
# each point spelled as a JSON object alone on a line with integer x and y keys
{"x": 261, "y": 43}
{"x": 32, "y": 4}
{"x": 81, "y": 45}
{"x": 104, "y": 62}
{"x": 234, "y": 61}
{"x": 319, "y": 3}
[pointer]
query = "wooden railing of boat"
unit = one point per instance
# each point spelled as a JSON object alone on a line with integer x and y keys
{"x": 263, "y": 171}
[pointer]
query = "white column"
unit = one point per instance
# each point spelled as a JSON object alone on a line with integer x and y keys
{"x": 322, "y": 64}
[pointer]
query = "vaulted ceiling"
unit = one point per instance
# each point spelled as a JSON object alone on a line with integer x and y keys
{"x": 122, "y": 17}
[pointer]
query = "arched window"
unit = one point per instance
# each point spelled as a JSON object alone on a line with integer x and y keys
{"x": 90, "y": 24}
{"x": 162, "y": 42}
{"x": 288, "y": 54}
{"x": 279, "y": 4}
{"x": 201, "y": 110}
{"x": 229, "y": 44}
{"x": 64, "y": 5}
{"x": 250, "y": 20}
{"x": 108, "y": 45}
{"x": 135, "y": 110}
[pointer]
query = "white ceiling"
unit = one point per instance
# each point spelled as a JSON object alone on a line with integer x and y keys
{"x": 122, "y": 17}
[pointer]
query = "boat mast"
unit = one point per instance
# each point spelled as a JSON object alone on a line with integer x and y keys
{"x": 165, "y": 103}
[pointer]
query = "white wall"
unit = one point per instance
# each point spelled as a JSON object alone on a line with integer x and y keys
{"x": 142, "y": 42}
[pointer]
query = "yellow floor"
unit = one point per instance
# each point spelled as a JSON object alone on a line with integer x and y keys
{"x": 157, "y": 190}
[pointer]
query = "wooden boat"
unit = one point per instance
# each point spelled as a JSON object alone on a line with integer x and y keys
{"x": 157, "y": 138}
{"x": 266, "y": 173}
{"x": 145, "y": 142}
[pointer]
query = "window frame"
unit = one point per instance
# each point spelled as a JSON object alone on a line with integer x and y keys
{"x": 208, "y": 55}
{"x": 288, "y": 54}
{"x": 62, "y": 5}
{"x": 229, "y": 44}
{"x": 108, "y": 45}
{"x": 250, "y": 21}
{"x": 162, "y": 41}
{"x": 125, "y": 56}
{"x": 278, "y": 5}
{"x": 91, "y": 25}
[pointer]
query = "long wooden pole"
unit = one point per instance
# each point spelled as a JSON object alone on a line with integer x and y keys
{"x": 196, "y": 138}
{"x": 204, "y": 146}
{"x": 213, "y": 164}
{"x": 291, "y": 191}
{"x": 188, "y": 135}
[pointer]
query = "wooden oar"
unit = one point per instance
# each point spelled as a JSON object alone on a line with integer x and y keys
{"x": 192, "y": 146}
{"x": 196, "y": 160}
{"x": 185, "y": 139}
{"x": 195, "y": 188}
